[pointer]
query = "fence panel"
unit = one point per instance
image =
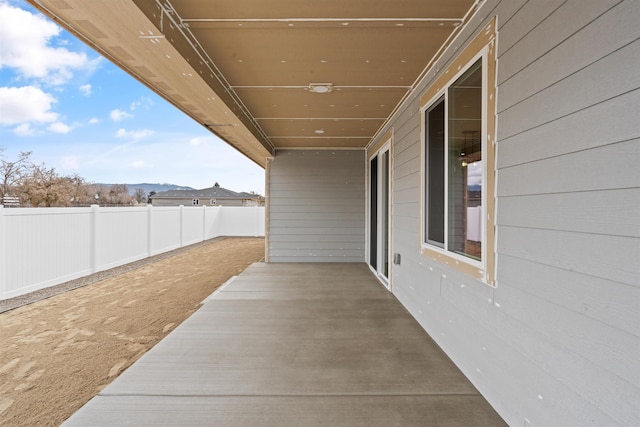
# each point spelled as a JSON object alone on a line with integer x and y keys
{"x": 241, "y": 221}
{"x": 42, "y": 247}
{"x": 165, "y": 225}
{"x": 211, "y": 222}
{"x": 44, "y": 250}
{"x": 192, "y": 225}
{"x": 121, "y": 236}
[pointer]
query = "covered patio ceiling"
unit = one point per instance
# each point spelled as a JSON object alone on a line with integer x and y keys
{"x": 265, "y": 75}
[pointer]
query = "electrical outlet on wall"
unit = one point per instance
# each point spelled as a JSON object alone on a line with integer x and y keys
{"x": 396, "y": 258}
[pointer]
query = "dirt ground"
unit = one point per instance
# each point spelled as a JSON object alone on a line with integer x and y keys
{"x": 56, "y": 354}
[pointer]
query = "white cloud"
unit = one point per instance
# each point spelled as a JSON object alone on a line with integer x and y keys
{"x": 24, "y": 46}
{"x": 59, "y": 127}
{"x": 118, "y": 115}
{"x": 143, "y": 102}
{"x": 85, "y": 89}
{"x": 94, "y": 121}
{"x": 196, "y": 141}
{"x": 24, "y": 130}
{"x": 140, "y": 164}
{"x": 25, "y": 104}
{"x": 134, "y": 134}
{"x": 70, "y": 163}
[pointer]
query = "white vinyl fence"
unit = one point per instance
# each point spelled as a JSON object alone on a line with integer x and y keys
{"x": 42, "y": 247}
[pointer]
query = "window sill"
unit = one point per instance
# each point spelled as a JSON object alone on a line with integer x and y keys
{"x": 469, "y": 268}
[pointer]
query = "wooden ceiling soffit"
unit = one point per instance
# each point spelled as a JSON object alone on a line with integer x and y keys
{"x": 341, "y": 103}
{"x": 198, "y": 61}
{"x": 328, "y": 127}
{"x": 228, "y": 9}
{"x": 321, "y": 143}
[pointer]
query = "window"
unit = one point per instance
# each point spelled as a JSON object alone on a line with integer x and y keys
{"x": 454, "y": 172}
{"x": 195, "y": 202}
{"x": 458, "y": 162}
{"x": 213, "y": 202}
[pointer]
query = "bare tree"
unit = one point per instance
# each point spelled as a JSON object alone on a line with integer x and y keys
{"x": 38, "y": 185}
{"x": 43, "y": 186}
{"x": 99, "y": 194}
{"x": 81, "y": 193}
{"x": 119, "y": 195}
{"x": 12, "y": 172}
{"x": 140, "y": 195}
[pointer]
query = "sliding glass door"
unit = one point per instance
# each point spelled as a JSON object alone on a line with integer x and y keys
{"x": 379, "y": 209}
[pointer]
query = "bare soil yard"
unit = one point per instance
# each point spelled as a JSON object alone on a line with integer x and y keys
{"x": 57, "y": 353}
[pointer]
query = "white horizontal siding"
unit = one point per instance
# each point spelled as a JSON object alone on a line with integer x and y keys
{"x": 557, "y": 342}
{"x": 607, "y": 78}
{"x": 534, "y": 37}
{"x": 613, "y": 212}
{"x": 609, "y": 167}
{"x": 317, "y": 206}
{"x": 579, "y": 131}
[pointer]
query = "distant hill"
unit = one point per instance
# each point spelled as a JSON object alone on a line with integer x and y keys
{"x": 149, "y": 187}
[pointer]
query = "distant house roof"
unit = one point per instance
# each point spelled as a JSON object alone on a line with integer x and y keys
{"x": 212, "y": 192}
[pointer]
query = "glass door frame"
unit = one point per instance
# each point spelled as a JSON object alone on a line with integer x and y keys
{"x": 379, "y": 214}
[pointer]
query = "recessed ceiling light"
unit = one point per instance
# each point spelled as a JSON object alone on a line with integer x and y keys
{"x": 321, "y": 87}
{"x": 319, "y": 131}
{"x": 345, "y": 23}
{"x": 399, "y": 25}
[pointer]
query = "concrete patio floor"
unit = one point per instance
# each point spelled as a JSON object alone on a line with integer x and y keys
{"x": 294, "y": 345}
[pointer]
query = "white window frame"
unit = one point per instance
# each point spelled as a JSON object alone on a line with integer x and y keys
{"x": 483, "y": 45}
{"x": 444, "y": 94}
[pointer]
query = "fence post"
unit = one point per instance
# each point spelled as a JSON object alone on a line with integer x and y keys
{"x": 3, "y": 261}
{"x": 149, "y": 229}
{"x": 256, "y": 212}
{"x": 181, "y": 225}
{"x": 204, "y": 222}
{"x": 93, "y": 240}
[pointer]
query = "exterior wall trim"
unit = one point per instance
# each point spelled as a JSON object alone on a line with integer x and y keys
{"x": 484, "y": 44}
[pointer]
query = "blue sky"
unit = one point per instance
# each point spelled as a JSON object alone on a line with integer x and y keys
{"x": 80, "y": 114}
